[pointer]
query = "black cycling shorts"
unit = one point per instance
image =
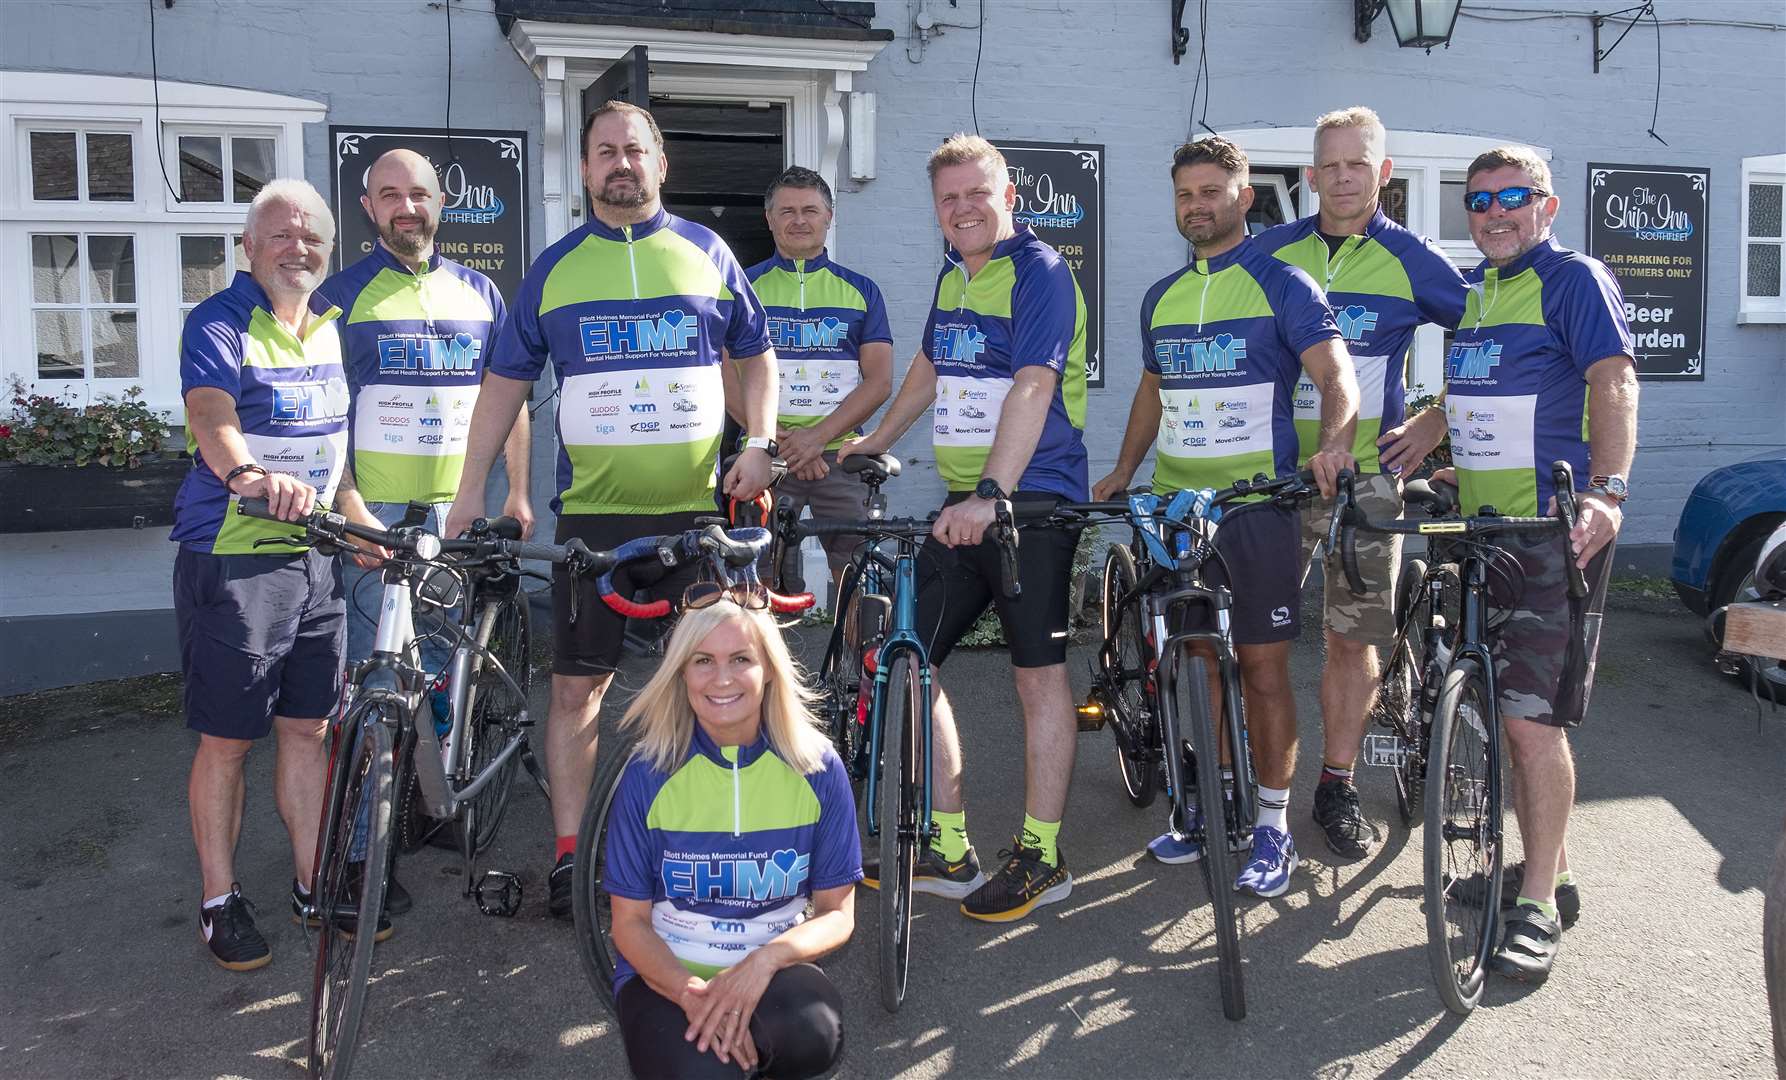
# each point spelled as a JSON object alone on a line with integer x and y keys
{"x": 956, "y": 584}
{"x": 797, "y": 1027}
{"x": 592, "y": 644}
{"x": 1261, "y": 566}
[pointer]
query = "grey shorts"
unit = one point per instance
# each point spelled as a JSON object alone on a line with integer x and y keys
{"x": 1544, "y": 672}
{"x": 1367, "y": 619}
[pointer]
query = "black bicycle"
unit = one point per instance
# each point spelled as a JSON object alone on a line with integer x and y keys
{"x": 1153, "y": 692}
{"x": 1465, "y": 787}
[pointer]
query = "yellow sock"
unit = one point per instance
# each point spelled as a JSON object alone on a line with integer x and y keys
{"x": 951, "y": 843}
{"x": 1044, "y": 835}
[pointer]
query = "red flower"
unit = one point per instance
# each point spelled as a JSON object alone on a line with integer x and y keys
{"x": 5, "y": 431}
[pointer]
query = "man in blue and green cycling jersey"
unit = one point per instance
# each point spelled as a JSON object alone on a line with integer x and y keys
{"x": 1001, "y": 370}
{"x": 1541, "y": 370}
{"x": 1382, "y": 282}
{"x": 636, "y": 311}
{"x": 835, "y": 357}
{"x": 1224, "y": 342}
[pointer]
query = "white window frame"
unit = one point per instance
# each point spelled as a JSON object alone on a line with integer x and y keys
{"x": 80, "y": 129}
{"x": 60, "y": 101}
{"x": 85, "y": 304}
{"x": 1423, "y": 158}
{"x": 1768, "y": 169}
{"x": 170, "y": 149}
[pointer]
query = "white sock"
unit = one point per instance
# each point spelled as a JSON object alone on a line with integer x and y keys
{"x": 1274, "y": 808}
{"x": 216, "y": 901}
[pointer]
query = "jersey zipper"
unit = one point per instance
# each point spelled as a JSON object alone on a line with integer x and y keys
{"x": 737, "y": 809}
{"x": 1333, "y": 268}
{"x": 1203, "y": 300}
{"x": 965, "y": 278}
{"x": 631, "y": 262}
{"x": 800, "y": 267}
{"x": 1487, "y": 305}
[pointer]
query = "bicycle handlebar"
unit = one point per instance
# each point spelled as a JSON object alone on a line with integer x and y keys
{"x": 735, "y": 551}
{"x": 1003, "y": 532}
{"x": 329, "y": 527}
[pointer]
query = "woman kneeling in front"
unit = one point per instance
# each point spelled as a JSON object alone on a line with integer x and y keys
{"x": 733, "y": 813}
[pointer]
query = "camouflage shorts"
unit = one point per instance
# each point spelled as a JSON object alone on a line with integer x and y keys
{"x": 1544, "y": 672}
{"x": 1367, "y": 619}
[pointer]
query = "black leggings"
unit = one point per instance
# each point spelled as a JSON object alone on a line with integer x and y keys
{"x": 797, "y": 1028}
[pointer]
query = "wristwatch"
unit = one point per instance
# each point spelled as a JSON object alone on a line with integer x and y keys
{"x": 761, "y": 442}
{"x": 1613, "y": 487}
{"x": 988, "y": 488}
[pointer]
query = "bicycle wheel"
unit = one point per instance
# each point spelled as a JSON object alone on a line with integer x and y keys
{"x": 1463, "y": 838}
{"x": 1191, "y": 697}
{"x": 350, "y": 892}
{"x": 495, "y": 718}
{"x": 898, "y": 802}
{"x": 590, "y": 905}
{"x": 1131, "y": 720}
{"x": 1397, "y": 705}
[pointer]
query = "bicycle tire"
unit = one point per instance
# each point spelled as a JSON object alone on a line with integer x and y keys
{"x": 1463, "y": 838}
{"x": 343, "y": 958}
{"x": 1397, "y": 705}
{"x": 1130, "y": 717}
{"x": 1192, "y": 691}
{"x": 898, "y": 803}
{"x": 591, "y": 908}
{"x": 495, "y": 718}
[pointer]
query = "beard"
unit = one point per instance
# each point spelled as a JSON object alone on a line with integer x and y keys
{"x": 408, "y": 244}
{"x": 613, "y": 194}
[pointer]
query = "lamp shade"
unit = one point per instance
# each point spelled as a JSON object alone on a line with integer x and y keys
{"x": 1422, "y": 24}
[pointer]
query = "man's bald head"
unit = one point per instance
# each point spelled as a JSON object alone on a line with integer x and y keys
{"x": 403, "y": 200}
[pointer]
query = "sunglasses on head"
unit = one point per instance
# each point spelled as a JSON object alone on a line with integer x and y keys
{"x": 1478, "y": 202}
{"x": 707, "y": 593}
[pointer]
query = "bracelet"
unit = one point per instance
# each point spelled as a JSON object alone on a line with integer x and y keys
{"x": 230, "y": 476}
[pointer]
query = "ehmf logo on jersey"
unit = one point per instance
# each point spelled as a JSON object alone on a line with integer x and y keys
{"x": 402, "y": 355}
{"x": 778, "y": 877}
{"x": 826, "y": 333}
{"x": 1355, "y": 321}
{"x": 671, "y": 332}
{"x": 957, "y": 344}
{"x": 1473, "y": 360}
{"x": 310, "y": 403}
{"x": 1217, "y": 355}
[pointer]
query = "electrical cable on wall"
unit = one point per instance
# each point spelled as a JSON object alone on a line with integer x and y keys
{"x": 155, "y": 83}
{"x": 1201, "y": 83}
{"x": 452, "y": 154}
{"x": 979, "y": 49}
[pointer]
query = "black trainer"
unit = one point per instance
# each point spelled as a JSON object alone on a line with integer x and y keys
{"x": 1023, "y": 884}
{"x": 347, "y": 918}
{"x": 1568, "y": 897}
{"x": 558, "y": 897}
{"x": 1529, "y": 945}
{"x": 933, "y": 874}
{"x": 229, "y": 933}
{"x": 1342, "y": 821}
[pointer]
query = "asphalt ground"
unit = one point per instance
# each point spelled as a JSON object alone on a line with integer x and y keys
{"x": 1681, "y": 796}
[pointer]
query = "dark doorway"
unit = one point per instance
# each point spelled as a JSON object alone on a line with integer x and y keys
{"x": 723, "y": 154}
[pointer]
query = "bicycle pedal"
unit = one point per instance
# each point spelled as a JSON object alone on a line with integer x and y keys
{"x": 1385, "y": 751}
{"x": 1091, "y": 715}
{"x": 499, "y": 893}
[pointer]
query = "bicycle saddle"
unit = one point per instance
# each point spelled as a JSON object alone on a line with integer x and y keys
{"x": 878, "y": 467}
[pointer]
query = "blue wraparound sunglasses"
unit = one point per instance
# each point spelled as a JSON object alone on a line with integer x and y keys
{"x": 1512, "y": 198}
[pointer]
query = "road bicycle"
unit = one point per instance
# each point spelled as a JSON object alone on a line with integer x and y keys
{"x": 1153, "y": 692}
{"x": 387, "y": 717}
{"x": 1464, "y": 852}
{"x": 875, "y": 648}
{"x": 727, "y": 559}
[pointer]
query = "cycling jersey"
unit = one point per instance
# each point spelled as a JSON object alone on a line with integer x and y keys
{"x": 1381, "y": 285}
{"x": 1023, "y": 307}
{"x": 1226, "y": 337}
{"x": 634, "y": 320}
{"x": 291, "y": 399}
{"x": 1516, "y": 375}
{"x": 820, "y": 316}
{"x": 414, "y": 348}
{"x": 728, "y": 847}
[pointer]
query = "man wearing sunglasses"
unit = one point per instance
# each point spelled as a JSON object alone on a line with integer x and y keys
{"x": 1541, "y": 370}
{"x": 1382, "y": 283}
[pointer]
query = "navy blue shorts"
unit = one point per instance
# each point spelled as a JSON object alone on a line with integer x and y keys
{"x": 260, "y": 636}
{"x": 1261, "y": 548}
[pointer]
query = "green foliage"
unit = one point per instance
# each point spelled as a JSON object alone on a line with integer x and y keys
{"x": 116, "y": 432}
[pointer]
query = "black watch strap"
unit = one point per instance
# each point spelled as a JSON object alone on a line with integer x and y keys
{"x": 988, "y": 488}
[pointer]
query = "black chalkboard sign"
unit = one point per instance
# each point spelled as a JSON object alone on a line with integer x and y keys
{"x": 1647, "y": 224}
{"x": 1060, "y": 194}
{"x": 483, "y": 176}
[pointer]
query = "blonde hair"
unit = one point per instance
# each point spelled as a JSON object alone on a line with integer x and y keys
{"x": 1519, "y": 157}
{"x": 962, "y": 149}
{"x": 664, "y": 721}
{"x": 1365, "y": 119}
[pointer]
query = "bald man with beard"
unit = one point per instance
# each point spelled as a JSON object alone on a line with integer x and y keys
{"x": 415, "y": 332}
